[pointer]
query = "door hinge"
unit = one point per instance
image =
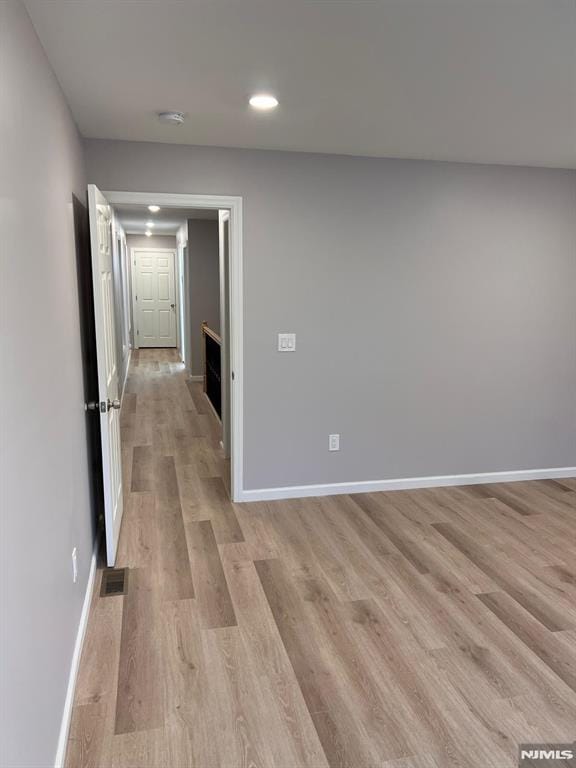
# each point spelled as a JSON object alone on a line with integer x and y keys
{"x": 232, "y": 375}
{"x": 138, "y": 333}
{"x": 136, "y": 297}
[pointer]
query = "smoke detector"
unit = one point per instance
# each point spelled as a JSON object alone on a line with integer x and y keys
{"x": 171, "y": 118}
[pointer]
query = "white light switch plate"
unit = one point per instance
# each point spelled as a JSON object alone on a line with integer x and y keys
{"x": 286, "y": 342}
{"x": 333, "y": 442}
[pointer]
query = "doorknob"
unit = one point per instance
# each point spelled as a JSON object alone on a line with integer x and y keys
{"x": 172, "y": 305}
{"x": 103, "y": 406}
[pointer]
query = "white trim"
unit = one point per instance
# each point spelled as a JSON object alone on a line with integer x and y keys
{"x": 69, "y": 700}
{"x": 234, "y": 205}
{"x": 372, "y": 486}
{"x": 224, "y": 300}
{"x": 139, "y": 233}
{"x": 197, "y": 377}
{"x": 133, "y": 297}
{"x": 133, "y": 250}
{"x": 126, "y": 374}
{"x": 214, "y": 411}
{"x": 181, "y": 244}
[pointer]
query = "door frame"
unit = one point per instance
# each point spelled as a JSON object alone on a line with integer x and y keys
{"x": 223, "y": 268}
{"x": 173, "y": 251}
{"x": 236, "y": 298}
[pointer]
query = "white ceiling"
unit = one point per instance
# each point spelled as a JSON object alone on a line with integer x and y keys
{"x": 471, "y": 80}
{"x": 167, "y": 221}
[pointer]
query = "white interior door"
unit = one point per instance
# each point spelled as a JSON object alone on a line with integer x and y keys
{"x": 109, "y": 404}
{"x": 155, "y": 297}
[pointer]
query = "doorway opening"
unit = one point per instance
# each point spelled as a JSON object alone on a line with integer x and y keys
{"x": 168, "y": 298}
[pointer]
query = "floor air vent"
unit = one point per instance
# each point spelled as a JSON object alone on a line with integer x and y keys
{"x": 114, "y": 582}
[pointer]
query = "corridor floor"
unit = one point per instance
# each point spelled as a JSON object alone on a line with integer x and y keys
{"x": 413, "y": 629}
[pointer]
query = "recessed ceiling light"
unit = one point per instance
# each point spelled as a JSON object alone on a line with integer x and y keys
{"x": 263, "y": 101}
{"x": 172, "y": 118}
{"x": 148, "y": 233}
{"x": 153, "y": 208}
{"x": 150, "y": 224}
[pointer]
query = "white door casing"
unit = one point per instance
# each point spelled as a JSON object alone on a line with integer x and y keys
{"x": 236, "y": 348}
{"x": 154, "y": 297}
{"x": 223, "y": 257}
{"x": 181, "y": 248}
{"x": 108, "y": 405}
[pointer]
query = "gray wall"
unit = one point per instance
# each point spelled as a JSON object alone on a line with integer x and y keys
{"x": 204, "y": 281}
{"x": 434, "y": 306}
{"x": 156, "y": 241}
{"x": 44, "y": 468}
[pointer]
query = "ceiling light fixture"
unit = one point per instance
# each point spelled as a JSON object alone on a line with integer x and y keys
{"x": 263, "y": 101}
{"x": 172, "y": 118}
{"x": 150, "y": 224}
{"x": 148, "y": 233}
{"x": 153, "y": 208}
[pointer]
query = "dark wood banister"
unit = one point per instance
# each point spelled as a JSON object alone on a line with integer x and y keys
{"x": 209, "y": 332}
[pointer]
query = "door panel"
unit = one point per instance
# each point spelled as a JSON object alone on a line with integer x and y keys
{"x": 155, "y": 298}
{"x": 163, "y": 287}
{"x": 147, "y": 330}
{"x": 146, "y": 287}
{"x": 108, "y": 413}
{"x": 164, "y": 324}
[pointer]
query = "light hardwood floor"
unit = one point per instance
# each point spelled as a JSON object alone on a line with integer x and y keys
{"x": 413, "y": 629}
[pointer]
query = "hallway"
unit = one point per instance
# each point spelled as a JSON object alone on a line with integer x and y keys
{"x": 415, "y": 629}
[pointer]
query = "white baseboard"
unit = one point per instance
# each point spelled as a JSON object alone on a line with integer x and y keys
{"x": 195, "y": 377}
{"x": 69, "y": 701}
{"x": 372, "y": 486}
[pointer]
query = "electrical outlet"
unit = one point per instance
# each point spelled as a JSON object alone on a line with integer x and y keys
{"x": 74, "y": 566}
{"x": 333, "y": 442}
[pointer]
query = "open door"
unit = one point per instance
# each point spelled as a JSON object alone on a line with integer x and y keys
{"x": 108, "y": 404}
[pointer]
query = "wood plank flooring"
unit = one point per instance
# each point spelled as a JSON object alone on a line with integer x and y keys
{"x": 412, "y": 629}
